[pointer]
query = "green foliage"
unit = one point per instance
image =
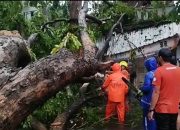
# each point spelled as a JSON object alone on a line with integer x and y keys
{"x": 114, "y": 12}
{"x": 157, "y": 4}
{"x": 47, "y": 113}
{"x": 175, "y": 13}
{"x": 10, "y": 14}
{"x": 44, "y": 45}
{"x": 70, "y": 41}
{"x": 92, "y": 115}
{"x": 92, "y": 33}
{"x": 134, "y": 118}
{"x": 46, "y": 39}
{"x": 26, "y": 125}
{"x": 13, "y": 19}
{"x": 104, "y": 11}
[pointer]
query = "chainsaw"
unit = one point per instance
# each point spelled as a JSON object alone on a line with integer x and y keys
{"x": 138, "y": 92}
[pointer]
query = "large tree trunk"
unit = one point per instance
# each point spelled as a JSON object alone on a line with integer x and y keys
{"x": 74, "y": 7}
{"x": 37, "y": 82}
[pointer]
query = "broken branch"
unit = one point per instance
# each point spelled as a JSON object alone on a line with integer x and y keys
{"x": 62, "y": 119}
{"x": 55, "y": 21}
{"x": 96, "y": 20}
{"x": 86, "y": 40}
{"x": 104, "y": 49}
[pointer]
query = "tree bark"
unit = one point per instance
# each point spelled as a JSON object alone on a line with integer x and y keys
{"x": 36, "y": 83}
{"x": 89, "y": 49}
{"x": 74, "y": 7}
{"x": 14, "y": 55}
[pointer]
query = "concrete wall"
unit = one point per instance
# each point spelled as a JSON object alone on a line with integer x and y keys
{"x": 148, "y": 50}
{"x": 141, "y": 38}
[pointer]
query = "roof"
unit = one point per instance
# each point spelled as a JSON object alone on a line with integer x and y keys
{"x": 29, "y": 9}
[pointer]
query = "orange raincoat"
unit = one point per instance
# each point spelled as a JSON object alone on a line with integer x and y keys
{"x": 116, "y": 90}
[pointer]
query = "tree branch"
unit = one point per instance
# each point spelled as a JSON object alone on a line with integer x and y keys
{"x": 61, "y": 120}
{"x": 96, "y": 20}
{"x": 55, "y": 21}
{"x": 91, "y": 78}
{"x": 32, "y": 39}
{"x": 138, "y": 48}
{"x": 86, "y": 40}
{"x": 104, "y": 49}
{"x": 99, "y": 22}
{"x": 88, "y": 79}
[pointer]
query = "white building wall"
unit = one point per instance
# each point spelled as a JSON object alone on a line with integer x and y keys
{"x": 142, "y": 37}
{"x": 147, "y": 50}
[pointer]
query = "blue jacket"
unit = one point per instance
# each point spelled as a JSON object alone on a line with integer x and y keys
{"x": 147, "y": 88}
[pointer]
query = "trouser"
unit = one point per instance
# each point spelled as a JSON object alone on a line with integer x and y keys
{"x": 148, "y": 124}
{"x": 116, "y": 107}
{"x": 178, "y": 119}
{"x": 166, "y": 121}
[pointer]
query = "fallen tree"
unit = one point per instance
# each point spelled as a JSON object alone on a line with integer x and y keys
{"x": 29, "y": 87}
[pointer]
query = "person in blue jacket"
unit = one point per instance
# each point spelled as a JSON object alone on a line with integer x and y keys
{"x": 147, "y": 89}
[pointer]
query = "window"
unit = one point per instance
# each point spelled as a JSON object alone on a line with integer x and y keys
{"x": 165, "y": 43}
{"x": 161, "y": 44}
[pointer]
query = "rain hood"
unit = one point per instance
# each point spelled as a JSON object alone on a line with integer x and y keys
{"x": 151, "y": 64}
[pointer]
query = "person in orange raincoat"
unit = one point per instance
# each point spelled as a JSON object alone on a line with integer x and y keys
{"x": 116, "y": 90}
